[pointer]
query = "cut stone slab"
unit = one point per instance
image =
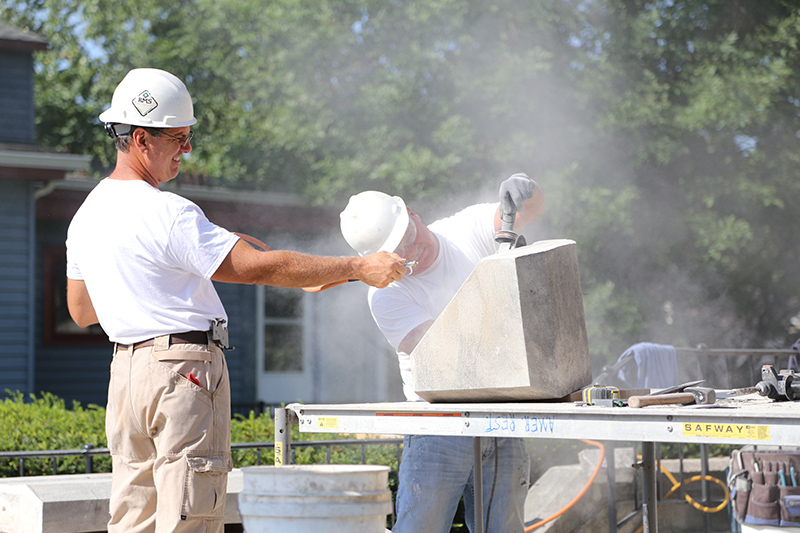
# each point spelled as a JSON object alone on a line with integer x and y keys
{"x": 74, "y": 503}
{"x": 55, "y": 504}
{"x": 514, "y": 331}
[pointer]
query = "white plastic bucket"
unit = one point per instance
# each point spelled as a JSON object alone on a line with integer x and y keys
{"x": 315, "y": 498}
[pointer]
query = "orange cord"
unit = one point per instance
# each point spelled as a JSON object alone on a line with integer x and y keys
{"x": 580, "y": 494}
{"x": 677, "y": 484}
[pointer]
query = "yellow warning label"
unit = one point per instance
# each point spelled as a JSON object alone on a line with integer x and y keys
{"x": 328, "y": 422}
{"x": 725, "y": 431}
{"x": 278, "y": 453}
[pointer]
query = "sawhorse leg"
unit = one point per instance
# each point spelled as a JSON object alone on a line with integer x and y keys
{"x": 283, "y": 454}
{"x": 649, "y": 488}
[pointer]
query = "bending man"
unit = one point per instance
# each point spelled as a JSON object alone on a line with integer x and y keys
{"x": 437, "y": 471}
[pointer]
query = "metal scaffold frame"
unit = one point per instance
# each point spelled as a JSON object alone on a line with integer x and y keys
{"x": 742, "y": 420}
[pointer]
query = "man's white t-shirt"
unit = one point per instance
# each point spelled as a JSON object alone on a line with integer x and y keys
{"x": 464, "y": 239}
{"x": 147, "y": 257}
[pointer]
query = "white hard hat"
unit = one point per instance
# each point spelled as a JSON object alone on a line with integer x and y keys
{"x": 374, "y": 222}
{"x": 151, "y": 98}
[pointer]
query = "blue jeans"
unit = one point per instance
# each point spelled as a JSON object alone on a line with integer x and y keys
{"x": 437, "y": 471}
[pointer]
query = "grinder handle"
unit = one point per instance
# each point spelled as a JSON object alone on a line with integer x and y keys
{"x": 661, "y": 399}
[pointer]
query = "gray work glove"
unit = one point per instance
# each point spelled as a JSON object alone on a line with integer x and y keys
{"x": 513, "y": 193}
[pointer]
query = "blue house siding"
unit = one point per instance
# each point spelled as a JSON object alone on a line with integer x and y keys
{"x": 74, "y": 373}
{"x": 16, "y": 286}
{"x": 71, "y": 372}
{"x": 81, "y": 373}
{"x": 16, "y": 98}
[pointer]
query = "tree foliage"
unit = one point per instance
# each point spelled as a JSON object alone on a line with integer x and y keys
{"x": 704, "y": 94}
{"x": 663, "y": 132}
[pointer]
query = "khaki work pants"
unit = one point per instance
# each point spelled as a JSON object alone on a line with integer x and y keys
{"x": 170, "y": 439}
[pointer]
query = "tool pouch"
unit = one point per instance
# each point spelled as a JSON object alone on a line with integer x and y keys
{"x": 765, "y": 485}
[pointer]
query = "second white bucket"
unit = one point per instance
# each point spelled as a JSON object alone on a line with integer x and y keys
{"x": 314, "y": 498}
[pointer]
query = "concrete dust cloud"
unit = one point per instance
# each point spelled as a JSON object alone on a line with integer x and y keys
{"x": 347, "y": 356}
{"x": 627, "y": 219}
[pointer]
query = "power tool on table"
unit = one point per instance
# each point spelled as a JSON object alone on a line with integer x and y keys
{"x": 781, "y": 386}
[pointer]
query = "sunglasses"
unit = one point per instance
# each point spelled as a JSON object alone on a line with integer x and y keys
{"x": 182, "y": 142}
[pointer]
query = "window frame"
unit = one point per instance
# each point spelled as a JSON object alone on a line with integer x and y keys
{"x": 297, "y": 321}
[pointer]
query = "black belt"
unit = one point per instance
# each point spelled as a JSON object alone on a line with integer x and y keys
{"x": 189, "y": 337}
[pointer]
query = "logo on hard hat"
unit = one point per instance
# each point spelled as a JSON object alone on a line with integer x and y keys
{"x": 144, "y": 103}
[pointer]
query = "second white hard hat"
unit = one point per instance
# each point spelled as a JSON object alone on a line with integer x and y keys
{"x": 151, "y": 98}
{"x": 374, "y": 222}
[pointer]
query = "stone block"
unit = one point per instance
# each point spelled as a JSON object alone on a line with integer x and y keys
{"x": 515, "y": 331}
{"x": 74, "y": 503}
{"x": 55, "y": 504}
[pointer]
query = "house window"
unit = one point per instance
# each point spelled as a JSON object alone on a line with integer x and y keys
{"x": 59, "y": 328}
{"x": 283, "y": 330}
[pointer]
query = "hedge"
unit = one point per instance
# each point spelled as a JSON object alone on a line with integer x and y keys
{"x": 44, "y": 422}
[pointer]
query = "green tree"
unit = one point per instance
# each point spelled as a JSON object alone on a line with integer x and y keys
{"x": 702, "y": 96}
{"x": 315, "y": 97}
{"x": 664, "y": 132}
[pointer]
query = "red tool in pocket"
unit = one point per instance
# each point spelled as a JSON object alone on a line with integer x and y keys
{"x": 193, "y": 379}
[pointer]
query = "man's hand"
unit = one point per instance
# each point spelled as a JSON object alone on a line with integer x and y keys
{"x": 381, "y": 268}
{"x": 513, "y": 193}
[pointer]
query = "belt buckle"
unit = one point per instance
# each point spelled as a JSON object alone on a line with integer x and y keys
{"x": 219, "y": 334}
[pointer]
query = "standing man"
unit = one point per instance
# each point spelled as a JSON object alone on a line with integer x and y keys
{"x": 437, "y": 471}
{"x": 140, "y": 262}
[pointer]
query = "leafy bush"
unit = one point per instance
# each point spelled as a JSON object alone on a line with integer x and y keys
{"x": 45, "y": 423}
{"x": 672, "y": 450}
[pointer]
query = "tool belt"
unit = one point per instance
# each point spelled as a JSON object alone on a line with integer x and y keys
{"x": 765, "y": 485}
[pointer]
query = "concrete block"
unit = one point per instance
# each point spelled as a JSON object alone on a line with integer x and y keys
{"x": 515, "y": 331}
{"x": 74, "y": 503}
{"x": 55, "y": 504}
{"x": 624, "y": 472}
{"x": 553, "y": 491}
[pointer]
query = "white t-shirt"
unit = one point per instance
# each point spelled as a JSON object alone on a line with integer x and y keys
{"x": 147, "y": 258}
{"x": 464, "y": 239}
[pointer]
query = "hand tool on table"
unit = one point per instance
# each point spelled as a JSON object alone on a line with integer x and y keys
{"x": 603, "y": 395}
{"x": 597, "y": 395}
{"x": 610, "y": 396}
{"x": 676, "y": 388}
{"x": 696, "y": 395}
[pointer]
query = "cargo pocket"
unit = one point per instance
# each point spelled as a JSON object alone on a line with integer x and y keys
{"x": 790, "y": 506}
{"x": 205, "y": 487}
{"x": 764, "y": 508}
{"x": 189, "y": 369}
